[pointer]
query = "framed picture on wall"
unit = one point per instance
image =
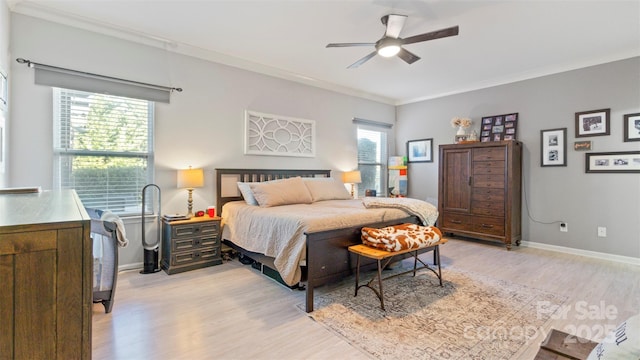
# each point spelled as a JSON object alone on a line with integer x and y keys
{"x": 420, "y": 150}
{"x": 553, "y": 147}
{"x": 592, "y": 123}
{"x": 499, "y": 127}
{"x": 632, "y": 127}
{"x": 613, "y": 162}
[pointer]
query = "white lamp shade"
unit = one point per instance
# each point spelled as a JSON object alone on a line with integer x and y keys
{"x": 190, "y": 178}
{"x": 351, "y": 177}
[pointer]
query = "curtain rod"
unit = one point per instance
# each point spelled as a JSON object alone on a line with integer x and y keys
{"x": 372, "y": 122}
{"x": 56, "y": 68}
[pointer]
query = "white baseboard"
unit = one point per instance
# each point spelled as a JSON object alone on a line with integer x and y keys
{"x": 587, "y": 253}
{"x": 134, "y": 266}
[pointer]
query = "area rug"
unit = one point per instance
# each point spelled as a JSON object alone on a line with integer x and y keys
{"x": 472, "y": 316}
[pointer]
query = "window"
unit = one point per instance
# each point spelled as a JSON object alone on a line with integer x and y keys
{"x": 103, "y": 148}
{"x": 372, "y": 159}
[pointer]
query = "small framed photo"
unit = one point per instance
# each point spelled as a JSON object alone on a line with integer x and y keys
{"x": 499, "y": 127}
{"x": 592, "y": 123}
{"x": 553, "y": 147}
{"x": 420, "y": 150}
{"x": 613, "y": 162}
{"x": 632, "y": 127}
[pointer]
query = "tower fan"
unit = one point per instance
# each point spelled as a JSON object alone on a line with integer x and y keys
{"x": 151, "y": 249}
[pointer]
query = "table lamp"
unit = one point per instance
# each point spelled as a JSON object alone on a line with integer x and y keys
{"x": 190, "y": 179}
{"x": 352, "y": 177}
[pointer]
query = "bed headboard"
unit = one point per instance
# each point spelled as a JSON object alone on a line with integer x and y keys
{"x": 226, "y": 180}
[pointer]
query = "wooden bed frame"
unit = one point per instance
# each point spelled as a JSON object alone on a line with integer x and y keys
{"x": 327, "y": 258}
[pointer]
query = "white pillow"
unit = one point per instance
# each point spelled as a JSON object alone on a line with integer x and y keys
{"x": 326, "y": 189}
{"x": 622, "y": 343}
{"x": 281, "y": 192}
{"x": 247, "y": 194}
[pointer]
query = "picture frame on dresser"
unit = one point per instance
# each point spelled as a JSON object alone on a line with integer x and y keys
{"x": 632, "y": 127}
{"x": 592, "y": 123}
{"x": 420, "y": 150}
{"x": 613, "y": 162}
{"x": 553, "y": 147}
{"x": 499, "y": 127}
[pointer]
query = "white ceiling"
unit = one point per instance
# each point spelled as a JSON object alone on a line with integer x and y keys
{"x": 499, "y": 42}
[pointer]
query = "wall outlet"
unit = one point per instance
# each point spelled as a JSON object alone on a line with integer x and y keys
{"x": 564, "y": 227}
{"x": 602, "y": 231}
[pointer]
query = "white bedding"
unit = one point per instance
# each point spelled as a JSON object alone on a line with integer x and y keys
{"x": 279, "y": 231}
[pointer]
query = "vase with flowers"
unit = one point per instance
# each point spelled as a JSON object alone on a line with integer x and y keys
{"x": 461, "y": 124}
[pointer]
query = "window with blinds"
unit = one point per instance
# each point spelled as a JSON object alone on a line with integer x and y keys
{"x": 372, "y": 159}
{"x": 103, "y": 148}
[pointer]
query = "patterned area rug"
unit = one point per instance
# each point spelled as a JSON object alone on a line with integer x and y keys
{"x": 471, "y": 317}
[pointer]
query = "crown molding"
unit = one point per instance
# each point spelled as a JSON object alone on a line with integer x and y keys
{"x": 42, "y": 12}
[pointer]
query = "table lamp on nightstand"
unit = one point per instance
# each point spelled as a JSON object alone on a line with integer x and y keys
{"x": 352, "y": 177}
{"x": 190, "y": 179}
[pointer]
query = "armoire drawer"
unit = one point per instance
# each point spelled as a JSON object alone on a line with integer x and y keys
{"x": 488, "y": 194}
{"x": 489, "y": 225}
{"x": 492, "y": 208}
{"x": 488, "y": 167}
{"x": 456, "y": 221}
{"x": 489, "y": 154}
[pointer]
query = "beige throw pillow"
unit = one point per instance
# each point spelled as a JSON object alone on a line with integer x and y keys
{"x": 326, "y": 189}
{"x": 283, "y": 192}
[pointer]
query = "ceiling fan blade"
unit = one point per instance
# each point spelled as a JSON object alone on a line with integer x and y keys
{"x": 394, "y": 24}
{"x": 349, "y": 44}
{"x": 408, "y": 56}
{"x": 362, "y": 61}
{"x": 452, "y": 31}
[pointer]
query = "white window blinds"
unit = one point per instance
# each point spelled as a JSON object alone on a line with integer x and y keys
{"x": 372, "y": 158}
{"x": 103, "y": 148}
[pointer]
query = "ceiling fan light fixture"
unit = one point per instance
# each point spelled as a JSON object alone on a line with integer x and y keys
{"x": 388, "y": 47}
{"x": 389, "y": 50}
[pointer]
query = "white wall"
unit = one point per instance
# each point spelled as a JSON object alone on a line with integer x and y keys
{"x": 4, "y": 65}
{"x": 584, "y": 201}
{"x": 203, "y": 125}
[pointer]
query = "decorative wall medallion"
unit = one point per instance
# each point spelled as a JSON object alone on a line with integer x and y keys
{"x": 268, "y": 134}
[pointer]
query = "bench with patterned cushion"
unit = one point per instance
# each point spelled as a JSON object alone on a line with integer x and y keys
{"x": 401, "y": 237}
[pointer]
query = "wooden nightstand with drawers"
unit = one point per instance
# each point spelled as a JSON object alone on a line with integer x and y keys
{"x": 190, "y": 244}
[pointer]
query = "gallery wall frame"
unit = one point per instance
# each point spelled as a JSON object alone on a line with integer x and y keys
{"x": 420, "y": 150}
{"x": 613, "y": 162}
{"x": 593, "y": 123}
{"x": 553, "y": 147}
{"x": 499, "y": 127}
{"x": 632, "y": 127}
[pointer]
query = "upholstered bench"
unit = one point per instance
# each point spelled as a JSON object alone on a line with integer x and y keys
{"x": 384, "y": 244}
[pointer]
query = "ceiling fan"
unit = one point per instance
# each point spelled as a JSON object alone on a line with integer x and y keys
{"x": 391, "y": 42}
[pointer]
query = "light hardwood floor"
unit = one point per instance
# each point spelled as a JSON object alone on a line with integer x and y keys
{"x": 230, "y": 311}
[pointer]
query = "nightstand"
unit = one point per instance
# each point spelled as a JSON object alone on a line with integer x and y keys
{"x": 190, "y": 244}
